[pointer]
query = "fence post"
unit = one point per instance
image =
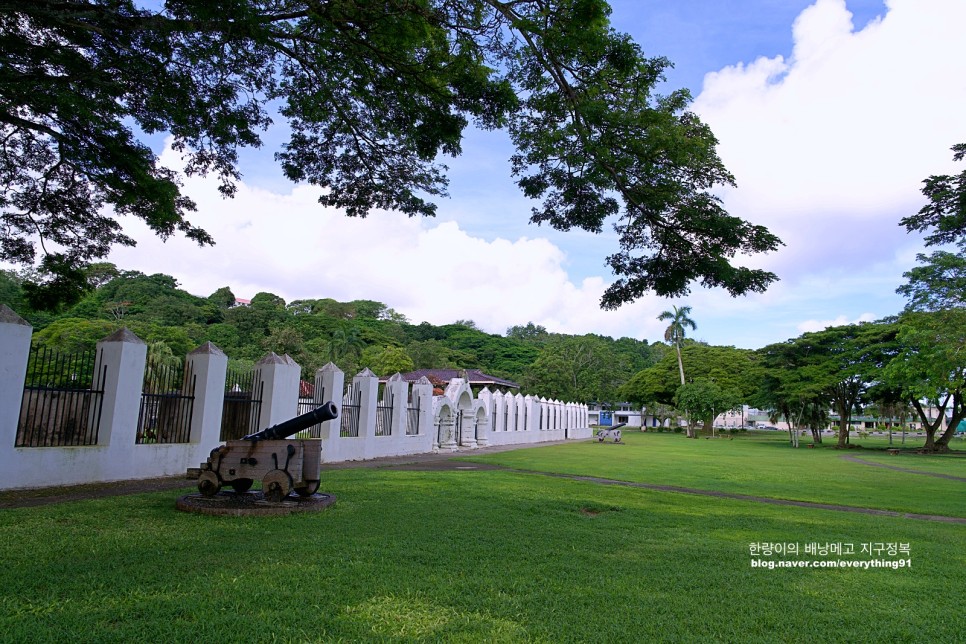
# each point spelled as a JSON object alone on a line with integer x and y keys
{"x": 500, "y": 416}
{"x": 531, "y": 408}
{"x": 331, "y": 379}
{"x": 125, "y": 356}
{"x": 423, "y": 392}
{"x": 281, "y": 397}
{"x": 15, "y": 335}
{"x": 367, "y": 384}
{"x": 210, "y": 366}
{"x": 398, "y": 390}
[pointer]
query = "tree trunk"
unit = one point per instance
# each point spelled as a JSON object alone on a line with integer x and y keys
{"x": 816, "y": 435}
{"x": 931, "y": 445}
{"x": 843, "y": 431}
{"x": 680, "y": 363}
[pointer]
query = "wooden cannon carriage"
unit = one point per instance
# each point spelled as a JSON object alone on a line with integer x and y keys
{"x": 280, "y": 463}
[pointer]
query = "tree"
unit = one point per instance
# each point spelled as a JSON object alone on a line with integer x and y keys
{"x": 385, "y": 361}
{"x": 842, "y": 363}
{"x": 581, "y": 368}
{"x": 529, "y": 333}
{"x": 374, "y": 94}
{"x": 223, "y": 298}
{"x": 945, "y": 213}
{"x": 433, "y": 354}
{"x": 789, "y": 388}
{"x": 345, "y": 341}
{"x": 703, "y": 399}
{"x": 939, "y": 282}
{"x": 931, "y": 366}
{"x": 731, "y": 370}
{"x": 675, "y": 331}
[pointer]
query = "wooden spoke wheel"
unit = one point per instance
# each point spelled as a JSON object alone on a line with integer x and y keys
{"x": 208, "y": 483}
{"x": 241, "y": 485}
{"x": 308, "y": 490}
{"x": 276, "y": 485}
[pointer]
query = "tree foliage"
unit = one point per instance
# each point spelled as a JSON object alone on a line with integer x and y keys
{"x": 703, "y": 399}
{"x": 373, "y": 94}
{"x": 676, "y": 330}
{"x": 939, "y": 282}
{"x": 732, "y": 373}
{"x": 580, "y": 368}
{"x": 931, "y": 366}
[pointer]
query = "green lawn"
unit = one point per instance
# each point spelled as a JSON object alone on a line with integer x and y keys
{"x": 483, "y": 555}
{"x": 761, "y": 464}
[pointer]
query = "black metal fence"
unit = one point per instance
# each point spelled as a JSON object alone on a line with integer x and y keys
{"x": 412, "y": 417}
{"x": 62, "y": 399}
{"x": 351, "y": 407}
{"x": 167, "y": 404}
{"x": 384, "y": 414}
{"x": 306, "y": 405}
{"x": 243, "y": 404}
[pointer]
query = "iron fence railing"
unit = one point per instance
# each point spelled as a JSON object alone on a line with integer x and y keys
{"x": 306, "y": 405}
{"x": 242, "y": 407}
{"x": 167, "y": 405}
{"x": 412, "y": 417}
{"x": 384, "y": 415}
{"x": 351, "y": 406}
{"x": 62, "y": 400}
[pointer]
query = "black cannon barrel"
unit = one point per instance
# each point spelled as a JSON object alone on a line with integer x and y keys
{"x": 322, "y": 413}
{"x": 618, "y": 426}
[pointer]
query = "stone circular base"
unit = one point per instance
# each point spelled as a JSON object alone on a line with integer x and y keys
{"x": 252, "y": 504}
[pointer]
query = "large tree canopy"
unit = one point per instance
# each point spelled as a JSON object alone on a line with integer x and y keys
{"x": 939, "y": 282}
{"x": 374, "y": 93}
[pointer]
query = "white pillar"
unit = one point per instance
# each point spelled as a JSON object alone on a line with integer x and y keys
{"x": 329, "y": 386}
{"x": 397, "y": 390}
{"x": 422, "y": 391}
{"x": 15, "y": 335}
{"x": 210, "y": 367}
{"x": 280, "y": 400}
{"x": 125, "y": 356}
{"x": 498, "y": 413}
{"x": 367, "y": 384}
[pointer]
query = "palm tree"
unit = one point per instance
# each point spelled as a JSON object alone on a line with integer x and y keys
{"x": 675, "y": 331}
{"x": 345, "y": 340}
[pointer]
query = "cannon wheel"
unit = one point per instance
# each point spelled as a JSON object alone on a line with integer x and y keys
{"x": 308, "y": 490}
{"x": 208, "y": 483}
{"x": 241, "y": 485}
{"x": 276, "y": 485}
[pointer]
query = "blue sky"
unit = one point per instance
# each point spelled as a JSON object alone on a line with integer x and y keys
{"x": 829, "y": 113}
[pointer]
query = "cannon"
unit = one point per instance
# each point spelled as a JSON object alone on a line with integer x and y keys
{"x": 610, "y": 432}
{"x": 282, "y": 464}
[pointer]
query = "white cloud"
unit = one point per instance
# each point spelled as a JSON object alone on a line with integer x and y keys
{"x": 427, "y": 270}
{"x": 842, "y": 320}
{"x": 851, "y": 123}
{"x": 829, "y": 148}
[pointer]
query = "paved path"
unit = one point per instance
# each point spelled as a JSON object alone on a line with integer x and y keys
{"x": 446, "y": 462}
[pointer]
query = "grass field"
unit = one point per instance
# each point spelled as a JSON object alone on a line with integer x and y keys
{"x": 489, "y": 555}
{"x": 760, "y": 464}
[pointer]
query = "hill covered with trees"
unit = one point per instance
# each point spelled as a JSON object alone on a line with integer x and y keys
{"x": 353, "y": 335}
